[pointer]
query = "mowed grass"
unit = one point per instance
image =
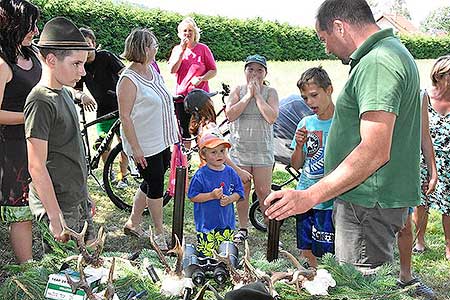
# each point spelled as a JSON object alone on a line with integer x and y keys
{"x": 431, "y": 266}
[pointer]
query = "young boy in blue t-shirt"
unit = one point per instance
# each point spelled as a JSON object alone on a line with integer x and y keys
{"x": 315, "y": 231}
{"x": 213, "y": 189}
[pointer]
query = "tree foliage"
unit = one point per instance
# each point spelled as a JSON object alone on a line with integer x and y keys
{"x": 399, "y": 7}
{"x": 438, "y": 20}
{"x": 230, "y": 39}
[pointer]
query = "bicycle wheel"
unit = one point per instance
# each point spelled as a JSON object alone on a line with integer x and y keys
{"x": 256, "y": 216}
{"x": 122, "y": 194}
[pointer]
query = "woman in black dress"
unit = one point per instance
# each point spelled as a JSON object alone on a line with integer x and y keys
{"x": 20, "y": 71}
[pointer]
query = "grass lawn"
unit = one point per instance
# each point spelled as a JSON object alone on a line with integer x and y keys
{"x": 431, "y": 266}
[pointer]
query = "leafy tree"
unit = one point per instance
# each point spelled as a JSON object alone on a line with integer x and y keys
{"x": 399, "y": 7}
{"x": 438, "y": 19}
{"x": 395, "y": 7}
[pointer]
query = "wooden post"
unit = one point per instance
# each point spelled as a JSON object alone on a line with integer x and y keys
{"x": 178, "y": 204}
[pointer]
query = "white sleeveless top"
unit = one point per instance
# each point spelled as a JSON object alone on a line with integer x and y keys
{"x": 153, "y": 114}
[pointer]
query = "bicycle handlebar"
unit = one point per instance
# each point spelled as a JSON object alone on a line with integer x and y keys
{"x": 109, "y": 116}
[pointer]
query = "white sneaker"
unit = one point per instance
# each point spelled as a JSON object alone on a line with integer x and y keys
{"x": 122, "y": 184}
{"x": 160, "y": 240}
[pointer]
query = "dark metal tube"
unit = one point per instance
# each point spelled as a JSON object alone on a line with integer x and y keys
{"x": 178, "y": 205}
{"x": 151, "y": 271}
{"x": 273, "y": 239}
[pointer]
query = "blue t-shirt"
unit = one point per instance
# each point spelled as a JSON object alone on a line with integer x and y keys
{"x": 314, "y": 149}
{"x": 210, "y": 215}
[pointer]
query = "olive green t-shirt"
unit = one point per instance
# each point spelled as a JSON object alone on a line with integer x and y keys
{"x": 51, "y": 115}
{"x": 383, "y": 77}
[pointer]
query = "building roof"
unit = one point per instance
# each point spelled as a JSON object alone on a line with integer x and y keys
{"x": 399, "y": 23}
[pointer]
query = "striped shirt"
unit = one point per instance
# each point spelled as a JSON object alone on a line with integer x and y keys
{"x": 152, "y": 115}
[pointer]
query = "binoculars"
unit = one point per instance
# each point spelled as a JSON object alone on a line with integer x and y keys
{"x": 199, "y": 268}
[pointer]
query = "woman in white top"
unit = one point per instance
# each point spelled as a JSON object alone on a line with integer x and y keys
{"x": 148, "y": 128}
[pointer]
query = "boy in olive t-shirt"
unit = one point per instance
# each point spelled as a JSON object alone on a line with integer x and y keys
{"x": 55, "y": 150}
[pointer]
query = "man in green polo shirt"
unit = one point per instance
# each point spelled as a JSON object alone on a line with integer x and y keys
{"x": 373, "y": 149}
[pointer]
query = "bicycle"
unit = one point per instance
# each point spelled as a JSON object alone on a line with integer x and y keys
{"x": 123, "y": 198}
{"x": 111, "y": 168}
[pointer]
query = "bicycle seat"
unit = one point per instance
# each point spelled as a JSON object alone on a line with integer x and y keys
{"x": 195, "y": 100}
{"x": 178, "y": 98}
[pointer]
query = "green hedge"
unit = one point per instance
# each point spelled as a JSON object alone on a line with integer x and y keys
{"x": 229, "y": 39}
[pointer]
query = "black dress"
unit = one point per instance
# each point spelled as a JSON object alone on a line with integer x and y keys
{"x": 14, "y": 176}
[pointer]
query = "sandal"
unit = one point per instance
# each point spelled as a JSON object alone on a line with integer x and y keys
{"x": 241, "y": 235}
{"x": 420, "y": 290}
{"x": 139, "y": 233}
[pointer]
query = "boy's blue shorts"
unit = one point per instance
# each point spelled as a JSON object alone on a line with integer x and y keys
{"x": 315, "y": 231}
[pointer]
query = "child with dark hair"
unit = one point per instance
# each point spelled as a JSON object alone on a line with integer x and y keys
{"x": 315, "y": 231}
{"x": 20, "y": 70}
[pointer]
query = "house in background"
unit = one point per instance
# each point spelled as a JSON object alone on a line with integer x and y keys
{"x": 400, "y": 24}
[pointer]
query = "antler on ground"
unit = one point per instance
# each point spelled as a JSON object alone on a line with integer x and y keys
{"x": 93, "y": 259}
{"x": 81, "y": 284}
{"x": 178, "y": 251}
{"x": 110, "y": 289}
{"x": 308, "y": 273}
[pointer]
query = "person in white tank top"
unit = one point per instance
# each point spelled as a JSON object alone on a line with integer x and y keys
{"x": 148, "y": 129}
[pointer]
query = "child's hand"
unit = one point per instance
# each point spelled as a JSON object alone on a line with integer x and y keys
{"x": 251, "y": 89}
{"x": 225, "y": 200}
{"x": 301, "y": 136}
{"x": 217, "y": 193}
{"x": 257, "y": 89}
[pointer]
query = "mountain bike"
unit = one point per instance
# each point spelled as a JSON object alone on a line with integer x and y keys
{"x": 120, "y": 194}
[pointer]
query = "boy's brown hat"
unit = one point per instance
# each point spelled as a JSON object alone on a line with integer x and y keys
{"x": 61, "y": 34}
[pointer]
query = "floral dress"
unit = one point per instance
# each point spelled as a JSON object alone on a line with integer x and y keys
{"x": 440, "y": 135}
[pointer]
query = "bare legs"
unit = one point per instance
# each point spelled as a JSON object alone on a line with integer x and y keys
{"x": 420, "y": 219}
{"x": 21, "y": 240}
{"x": 140, "y": 202}
{"x": 405, "y": 244}
{"x": 242, "y": 206}
{"x": 262, "y": 178}
{"x": 446, "y": 225}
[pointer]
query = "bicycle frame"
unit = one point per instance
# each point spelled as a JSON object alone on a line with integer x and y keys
{"x": 92, "y": 162}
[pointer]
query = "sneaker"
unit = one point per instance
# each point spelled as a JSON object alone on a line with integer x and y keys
{"x": 122, "y": 184}
{"x": 421, "y": 290}
{"x": 241, "y": 235}
{"x": 112, "y": 176}
{"x": 160, "y": 240}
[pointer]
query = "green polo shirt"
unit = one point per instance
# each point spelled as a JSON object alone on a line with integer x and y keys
{"x": 383, "y": 77}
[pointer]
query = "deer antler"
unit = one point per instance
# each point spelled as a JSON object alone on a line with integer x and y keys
{"x": 81, "y": 284}
{"x": 301, "y": 270}
{"x": 79, "y": 237}
{"x": 178, "y": 250}
{"x": 110, "y": 289}
{"x": 88, "y": 259}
